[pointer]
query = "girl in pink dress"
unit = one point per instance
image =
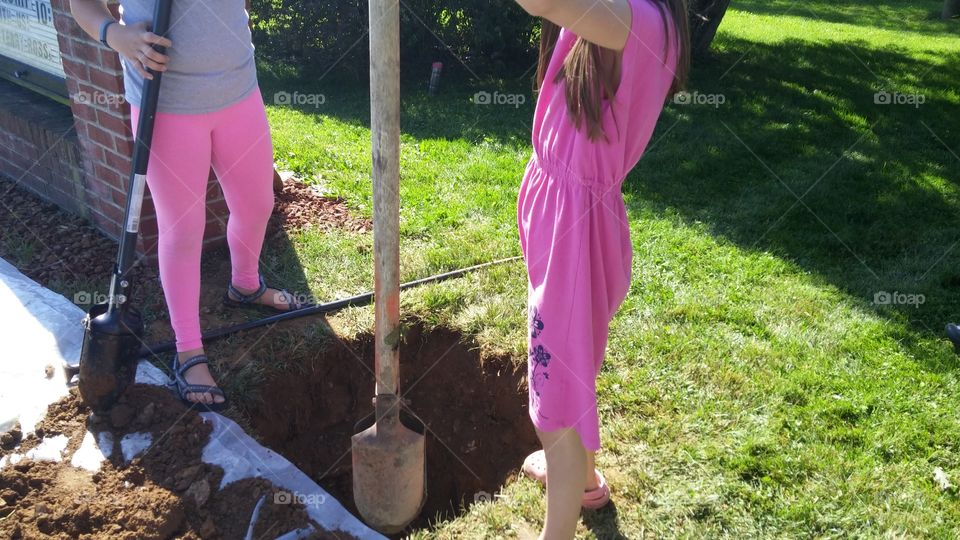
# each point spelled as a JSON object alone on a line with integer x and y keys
{"x": 606, "y": 71}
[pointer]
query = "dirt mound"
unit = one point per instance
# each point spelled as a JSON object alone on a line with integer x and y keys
{"x": 165, "y": 491}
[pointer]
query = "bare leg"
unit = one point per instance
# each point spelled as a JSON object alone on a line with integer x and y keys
{"x": 592, "y": 482}
{"x": 566, "y": 461}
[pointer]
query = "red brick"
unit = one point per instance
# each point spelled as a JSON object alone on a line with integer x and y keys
{"x": 100, "y": 136}
{"x": 91, "y": 152}
{"x": 108, "y": 175}
{"x": 85, "y": 87}
{"x": 109, "y": 59}
{"x": 65, "y": 44}
{"x": 111, "y": 82}
{"x": 75, "y": 68}
{"x": 119, "y": 198}
{"x": 83, "y": 112}
{"x": 117, "y": 124}
{"x": 124, "y": 145}
{"x": 116, "y": 161}
{"x": 118, "y": 107}
{"x": 85, "y": 50}
{"x": 100, "y": 188}
{"x": 112, "y": 211}
{"x": 116, "y": 181}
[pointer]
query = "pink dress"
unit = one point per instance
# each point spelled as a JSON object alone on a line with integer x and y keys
{"x": 573, "y": 225}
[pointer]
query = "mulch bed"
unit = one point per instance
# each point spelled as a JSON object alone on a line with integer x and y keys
{"x": 300, "y": 206}
{"x": 64, "y": 247}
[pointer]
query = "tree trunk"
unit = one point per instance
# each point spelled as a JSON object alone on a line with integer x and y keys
{"x": 705, "y": 18}
{"x": 951, "y": 9}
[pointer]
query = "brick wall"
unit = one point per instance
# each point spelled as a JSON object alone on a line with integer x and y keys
{"x": 104, "y": 142}
{"x": 38, "y": 147}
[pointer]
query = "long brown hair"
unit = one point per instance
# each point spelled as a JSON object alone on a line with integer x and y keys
{"x": 587, "y": 84}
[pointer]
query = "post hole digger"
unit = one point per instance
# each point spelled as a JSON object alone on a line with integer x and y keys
{"x": 113, "y": 331}
{"x": 389, "y": 455}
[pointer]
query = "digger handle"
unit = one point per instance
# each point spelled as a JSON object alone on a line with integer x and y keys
{"x": 120, "y": 285}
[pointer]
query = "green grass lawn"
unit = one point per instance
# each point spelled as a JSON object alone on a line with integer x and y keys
{"x": 753, "y": 387}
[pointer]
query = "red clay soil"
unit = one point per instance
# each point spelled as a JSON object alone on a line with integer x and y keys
{"x": 165, "y": 492}
{"x": 478, "y": 430}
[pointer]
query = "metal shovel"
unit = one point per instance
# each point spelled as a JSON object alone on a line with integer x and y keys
{"x": 113, "y": 331}
{"x": 389, "y": 456}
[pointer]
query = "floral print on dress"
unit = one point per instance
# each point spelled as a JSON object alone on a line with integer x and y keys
{"x": 539, "y": 357}
{"x": 539, "y": 375}
{"x": 536, "y": 323}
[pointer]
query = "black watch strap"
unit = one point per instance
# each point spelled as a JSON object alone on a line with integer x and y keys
{"x": 103, "y": 30}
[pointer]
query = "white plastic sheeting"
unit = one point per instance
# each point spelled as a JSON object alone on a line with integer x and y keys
{"x": 40, "y": 330}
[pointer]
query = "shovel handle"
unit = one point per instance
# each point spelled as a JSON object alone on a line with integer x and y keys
{"x": 120, "y": 283}
{"x": 385, "y": 134}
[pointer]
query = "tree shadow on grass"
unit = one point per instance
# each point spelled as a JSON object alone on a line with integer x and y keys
{"x": 468, "y": 107}
{"x": 802, "y": 161}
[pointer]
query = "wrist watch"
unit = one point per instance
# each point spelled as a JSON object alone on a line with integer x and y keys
{"x": 103, "y": 30}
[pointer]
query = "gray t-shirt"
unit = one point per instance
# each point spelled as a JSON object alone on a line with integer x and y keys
{"x": 211, "y": 62}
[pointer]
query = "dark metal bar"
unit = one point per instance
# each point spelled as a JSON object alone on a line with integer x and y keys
{"x": 327, "y": 307}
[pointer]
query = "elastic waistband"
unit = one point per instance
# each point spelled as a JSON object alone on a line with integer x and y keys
{"x": 559, "y": 171}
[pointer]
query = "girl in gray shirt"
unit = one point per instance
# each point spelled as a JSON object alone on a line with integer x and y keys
{"x": 210, "y": 113}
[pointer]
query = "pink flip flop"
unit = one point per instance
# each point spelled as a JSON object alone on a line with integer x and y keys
{"x": 535, "y": 466}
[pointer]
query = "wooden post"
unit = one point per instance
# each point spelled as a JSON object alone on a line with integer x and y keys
{"x": 385, "y": 131}
{"x": 389, "y": 456}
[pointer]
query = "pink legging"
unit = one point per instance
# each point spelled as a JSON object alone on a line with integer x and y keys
{"x": 236, "y": 141}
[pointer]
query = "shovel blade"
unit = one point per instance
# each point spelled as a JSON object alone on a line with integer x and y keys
{"x": 389, "y": 474}
{"x": 108, "y": 357}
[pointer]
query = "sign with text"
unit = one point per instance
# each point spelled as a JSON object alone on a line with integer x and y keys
{"x": 27, "y": 35}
